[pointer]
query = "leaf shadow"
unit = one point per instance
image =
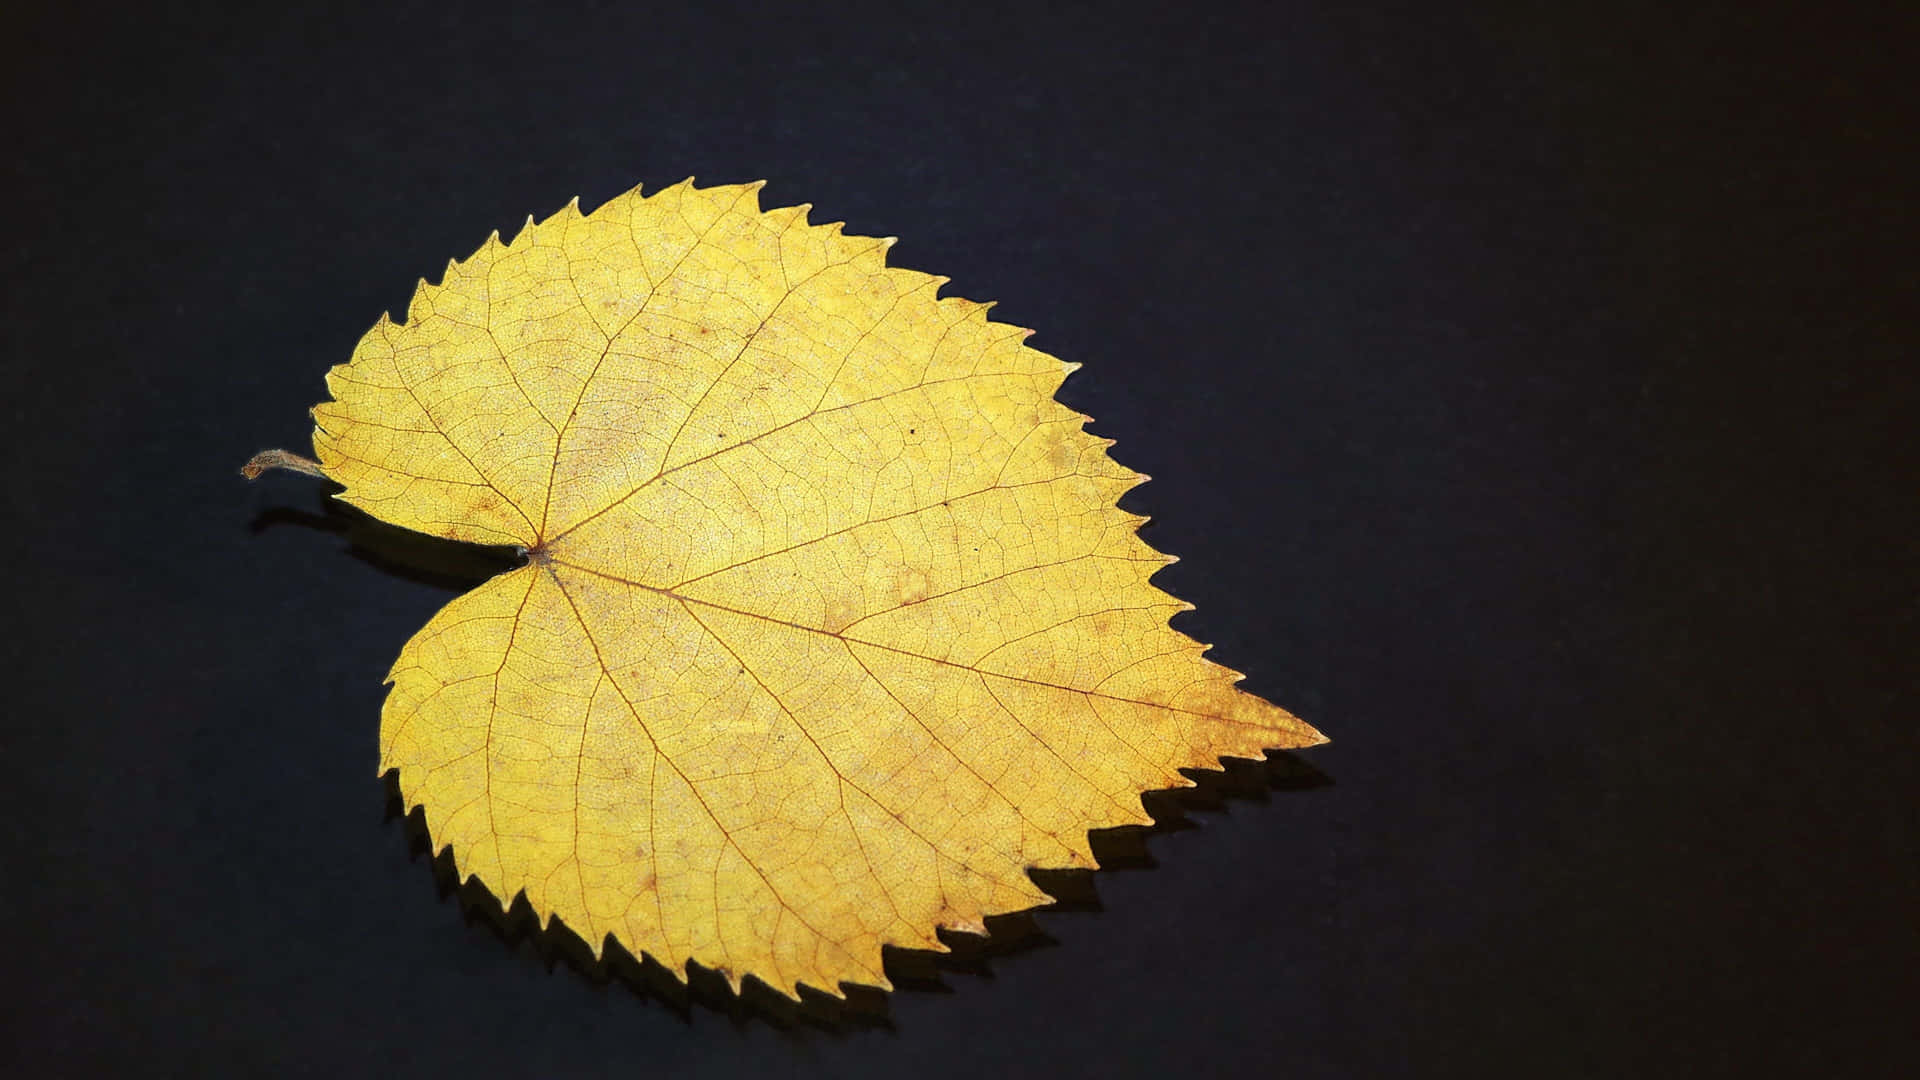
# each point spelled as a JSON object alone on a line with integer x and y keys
{"x": 1117, "y": 850}
{"x": 457, "y": 567}
{"x": 402, "y": 553}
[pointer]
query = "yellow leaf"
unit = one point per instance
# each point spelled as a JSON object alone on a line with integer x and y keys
{"x": 829, "y": 628}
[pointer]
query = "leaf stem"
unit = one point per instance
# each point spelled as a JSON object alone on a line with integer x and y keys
{"x": 280, "y": 459}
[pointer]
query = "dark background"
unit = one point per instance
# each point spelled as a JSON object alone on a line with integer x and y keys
{"x": 1528, "y": 394}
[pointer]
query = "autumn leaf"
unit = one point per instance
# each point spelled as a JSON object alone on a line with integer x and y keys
{"x": 829, "y": 628}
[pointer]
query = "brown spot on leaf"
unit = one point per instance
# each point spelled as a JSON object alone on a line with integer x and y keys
{"x": 1063, "y": 455}
{"x": 840, "y": 611}
{"x": 912, "y": 586}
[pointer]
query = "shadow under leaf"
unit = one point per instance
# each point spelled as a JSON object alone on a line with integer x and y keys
{"x": 910, "y": 970}
{"x": 403, "y": 553}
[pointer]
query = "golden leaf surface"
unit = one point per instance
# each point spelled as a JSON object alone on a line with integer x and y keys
{"x": 829, "y": 629}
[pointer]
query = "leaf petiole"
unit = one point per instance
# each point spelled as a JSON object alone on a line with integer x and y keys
{"x": 280, "y": 459}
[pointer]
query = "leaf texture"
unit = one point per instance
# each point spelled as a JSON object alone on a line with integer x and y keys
{"x": 829, "y": 628}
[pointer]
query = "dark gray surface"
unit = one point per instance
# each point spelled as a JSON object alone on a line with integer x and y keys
{"x": 1528, "y": 397}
